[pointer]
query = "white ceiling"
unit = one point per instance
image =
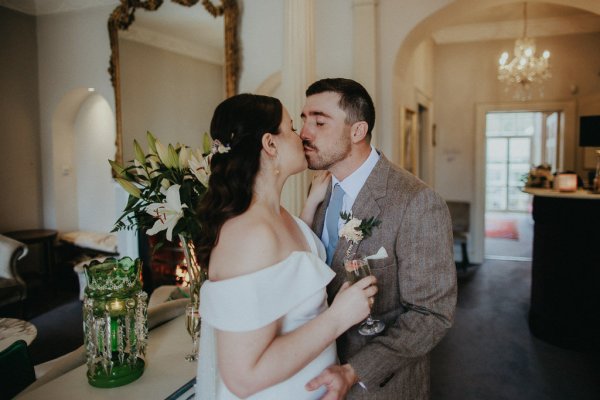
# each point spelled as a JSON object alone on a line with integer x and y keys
{"x": 506, "y": 22}
{"x": 44, "y": 7}
{"x": 174, "y": 22}
{"x": 197, "y": 26}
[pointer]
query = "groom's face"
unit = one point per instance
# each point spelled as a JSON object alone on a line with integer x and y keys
{"x": 325, "y": 133}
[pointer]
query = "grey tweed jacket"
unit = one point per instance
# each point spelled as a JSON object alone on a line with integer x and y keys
{"x": 417, "y": 283}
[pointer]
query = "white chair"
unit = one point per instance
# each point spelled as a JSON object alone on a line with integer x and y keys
{"x": 13, "y": 288}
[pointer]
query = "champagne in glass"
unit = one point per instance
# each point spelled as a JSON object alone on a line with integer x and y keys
{"x": 357, "y": 268}
{"x": 192, "y": 324}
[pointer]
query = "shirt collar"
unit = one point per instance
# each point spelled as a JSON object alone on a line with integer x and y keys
{"x": 356, "y": 180}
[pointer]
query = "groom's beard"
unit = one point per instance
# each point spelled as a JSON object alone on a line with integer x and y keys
{"x": 322, "y": 159}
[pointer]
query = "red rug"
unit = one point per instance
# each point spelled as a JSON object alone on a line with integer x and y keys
{"x": 501, "y": 228}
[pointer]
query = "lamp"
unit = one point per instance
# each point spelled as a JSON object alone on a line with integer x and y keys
{"x": 525, "y": 68}
{"x": 114, "y": 322}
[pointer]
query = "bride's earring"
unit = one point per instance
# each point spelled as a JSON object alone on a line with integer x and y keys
{"x": 276, "y": 170}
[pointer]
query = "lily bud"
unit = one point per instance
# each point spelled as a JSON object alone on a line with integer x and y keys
{"x": 139, "y": 154}
{"x": 173, "y": 157}
{"x": 117, "y": 168}
{"x": 129, "y": 187}
{"x": 151, "y": 142}
{"x": 206, "y": 143}
{"x": 163, "y": 154}
{"x": 184, "y": 157}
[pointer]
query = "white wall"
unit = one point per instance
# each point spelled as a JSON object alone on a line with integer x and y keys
{"x": 466, "y": 74}
{"x": 94, "y": 183}
{"x": 333, "y": 39}
{"x": 20, "y": 163}
{"x": 262, "y": 42}
{"x": 261, "y": 34}
{"x": 171, "y": 95}
{"x": 73, "y": 52}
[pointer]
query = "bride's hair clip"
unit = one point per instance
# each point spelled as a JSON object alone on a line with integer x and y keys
{"x": 218, "y": 147}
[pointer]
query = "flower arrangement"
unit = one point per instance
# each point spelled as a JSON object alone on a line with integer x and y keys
{"x": 540, "y": 176}
{"x": 165, "y": 186}
{"x": 355, "y": 230}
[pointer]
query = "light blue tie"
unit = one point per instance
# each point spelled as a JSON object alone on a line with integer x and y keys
{"x": 333, "y": 216}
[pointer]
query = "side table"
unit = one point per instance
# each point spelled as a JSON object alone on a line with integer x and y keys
{"x": 46, "y": 238}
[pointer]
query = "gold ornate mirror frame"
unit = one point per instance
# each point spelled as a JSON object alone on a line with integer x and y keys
{"x": 124, "y": 15}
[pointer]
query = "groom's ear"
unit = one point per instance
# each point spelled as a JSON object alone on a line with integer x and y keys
{"x": 269, "y": 145}
{"x": 358, "y": 131}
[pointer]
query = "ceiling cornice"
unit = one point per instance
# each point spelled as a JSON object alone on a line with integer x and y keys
{"x": 555, "y": 26}
{"x": 45, "y": 7}
{"x": 200, "y": 52}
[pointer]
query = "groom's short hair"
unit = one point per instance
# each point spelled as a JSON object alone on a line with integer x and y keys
{"x": 354, "y": 99}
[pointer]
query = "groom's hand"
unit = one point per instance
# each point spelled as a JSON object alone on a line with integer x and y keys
{"x": 338, "y": 379}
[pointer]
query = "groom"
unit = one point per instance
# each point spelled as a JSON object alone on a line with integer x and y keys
{"x": 417, "y": 281}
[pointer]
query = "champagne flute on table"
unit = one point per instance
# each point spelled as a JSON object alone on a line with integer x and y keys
{"x": 192, "y": 324}
{"x": 357, "y": 268}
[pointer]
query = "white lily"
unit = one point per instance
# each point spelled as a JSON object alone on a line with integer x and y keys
{"x": 167, "y": 214}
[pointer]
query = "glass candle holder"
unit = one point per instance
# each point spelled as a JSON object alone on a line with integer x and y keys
{"x": 114, "y": 322}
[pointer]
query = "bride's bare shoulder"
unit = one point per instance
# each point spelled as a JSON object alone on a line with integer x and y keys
{"x": 247, "y": 243}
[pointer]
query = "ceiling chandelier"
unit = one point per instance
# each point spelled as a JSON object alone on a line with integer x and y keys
{"x": 525, "y": 68}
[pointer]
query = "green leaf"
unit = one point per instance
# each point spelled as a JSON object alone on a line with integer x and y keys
{"x": 346, "y": 216}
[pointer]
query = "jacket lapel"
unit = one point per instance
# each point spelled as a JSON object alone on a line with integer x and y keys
{"x": 366, "y": 204}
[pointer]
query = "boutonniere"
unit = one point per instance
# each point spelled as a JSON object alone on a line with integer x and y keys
{"x": 355, "y": 230}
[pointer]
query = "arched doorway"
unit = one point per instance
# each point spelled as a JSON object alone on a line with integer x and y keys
{"x": 455, "y": 162}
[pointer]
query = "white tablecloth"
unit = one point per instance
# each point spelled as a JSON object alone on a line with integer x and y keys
{"x": 166, "y": 370}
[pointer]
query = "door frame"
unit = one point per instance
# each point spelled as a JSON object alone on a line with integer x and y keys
{"x": 425, "y": 154}
{"x": 567, "y": 144}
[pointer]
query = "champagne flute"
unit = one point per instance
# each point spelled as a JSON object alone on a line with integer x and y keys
{"x": 192, "y": 324}
{"x": 357, "y": 268}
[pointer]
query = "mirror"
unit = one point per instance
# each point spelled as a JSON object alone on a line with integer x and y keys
{"x": 119, "y": 22}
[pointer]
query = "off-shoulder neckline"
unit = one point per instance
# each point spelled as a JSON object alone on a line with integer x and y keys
{"x": 268, "y": 268}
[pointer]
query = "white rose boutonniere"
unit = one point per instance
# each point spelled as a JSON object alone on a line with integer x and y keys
{"x": 355, "y": 230}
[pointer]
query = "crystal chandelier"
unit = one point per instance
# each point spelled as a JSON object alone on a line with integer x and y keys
{"x": 525, "y": 68}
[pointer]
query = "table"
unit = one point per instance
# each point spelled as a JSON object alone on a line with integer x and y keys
{"x": 45, "y": 237}
{"x": 166, "y": 371}
{"x": 565, "y": 270}
{"x": 12, "y": 329}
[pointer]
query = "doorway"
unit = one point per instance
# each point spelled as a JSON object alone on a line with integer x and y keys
{"x": 514, "y": 142}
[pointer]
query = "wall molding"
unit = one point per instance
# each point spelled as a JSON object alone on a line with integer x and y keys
{"x": 46, "y": 7}
{"x": 176, "y": 45}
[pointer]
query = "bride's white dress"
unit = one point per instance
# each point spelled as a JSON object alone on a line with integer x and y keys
{"x": 293, "y": 289}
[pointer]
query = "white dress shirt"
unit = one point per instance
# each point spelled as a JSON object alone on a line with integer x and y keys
{"x": 351, "y": 186}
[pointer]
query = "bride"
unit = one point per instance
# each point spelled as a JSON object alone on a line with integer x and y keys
{"x": 266, "y": 327}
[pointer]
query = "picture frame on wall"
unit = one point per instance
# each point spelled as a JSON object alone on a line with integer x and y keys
{"x": 408, "y": 132}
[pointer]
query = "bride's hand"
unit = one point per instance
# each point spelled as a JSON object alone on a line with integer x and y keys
{"x": 352, "y": 303}
{"x": 318, "y": 187}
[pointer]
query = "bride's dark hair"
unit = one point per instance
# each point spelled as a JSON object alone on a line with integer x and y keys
{"x": 240, "y": 123}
